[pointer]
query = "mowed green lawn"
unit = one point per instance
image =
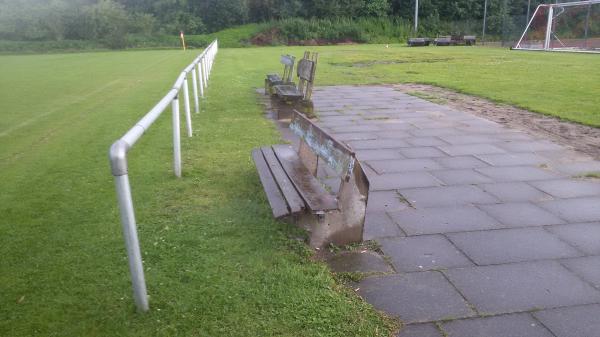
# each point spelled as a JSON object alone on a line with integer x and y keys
{"x": 216, "y": 263}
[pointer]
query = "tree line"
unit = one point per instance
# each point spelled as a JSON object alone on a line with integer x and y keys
{"x": 112, "y": 20}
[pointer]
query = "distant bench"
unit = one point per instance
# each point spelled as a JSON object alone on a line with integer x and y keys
{"x": 291, "y": 182}
{"x": 286, "y": 78}
{"x": 419, "y": 42}
{"x": 307, "y": 67}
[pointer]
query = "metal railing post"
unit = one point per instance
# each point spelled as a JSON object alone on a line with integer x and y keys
{"x": 195, "y": 87}
{"x": 176, "y": 138}
{"x": 186, "y": 103}
{"x": 200, "y": 78}
{"x": 205, "y": 72}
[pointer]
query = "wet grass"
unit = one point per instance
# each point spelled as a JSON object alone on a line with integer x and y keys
{"x": 216, "y": 263}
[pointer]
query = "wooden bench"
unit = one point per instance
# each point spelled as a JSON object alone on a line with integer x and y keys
{"x": 286, "y": 78}
{"x": 419, "y": 42}
{"x": 306, "y": 69}
{"x": 294, "y": 184}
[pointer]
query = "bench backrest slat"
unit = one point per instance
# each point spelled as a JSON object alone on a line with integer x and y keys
{"x": 305, "y": 69}
{"x": 288, "y": 67}
{"x": 337, "y": 155}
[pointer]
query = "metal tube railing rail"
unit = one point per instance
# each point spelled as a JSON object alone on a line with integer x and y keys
{"x": 118, "y": 158}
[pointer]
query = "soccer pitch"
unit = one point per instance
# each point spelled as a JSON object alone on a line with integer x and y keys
{"x": 216, "y": 263}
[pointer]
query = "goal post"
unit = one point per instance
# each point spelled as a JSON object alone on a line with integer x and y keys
{"x": 569, "y": 26}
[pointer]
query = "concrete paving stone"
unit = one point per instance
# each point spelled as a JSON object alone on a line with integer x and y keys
{"x": 447, "y": 196}
{"x": 521, "y": 214}
{"x": 381, "y": 154}
{"x": 578, "y": 321}
{"x": 575, "y": 210}
{"x": 588, "y": 268}
{"x": 514, "y": 325}
{"x": 513, "y": 159}
{"x": 569, "y": 188}
{"x": 356, "y": 128}
{"x": 443, "y": 220}
{"x": 403, "y": 165}
{"x": 511, "y": 245}
{"x": 358, "y": 262}
{"x": 516, "y": 173}
{"x": 379, "y": 225}
{"x": 514, "y": 135}
{"x": 396, "y": 181}
{"x": 461, "y": 177}
{"x": 469, "y": 139}
{"x": 425, "y": 141}
{"x": 470, "y": 149}
{"x": 354, "y": 136}
{"x": 395, "y": 134}
{"x": 395, "y": 126}
{"x": 578, "y": 168}
{"x": 515, "y": 192}
{"x": 415, "y": 297}
{"x": 522, "y": 286}
{"x": 423, "y": 252}
{"x": 377, "y": 144}
{"x": 530, "y": 146}
{"x": 584, "y": 236}
{"x": 386, "y": 201}
{"x": 461, "y": 162}
{"x": 421, "y": 152}
{"x": 420, "y": 330}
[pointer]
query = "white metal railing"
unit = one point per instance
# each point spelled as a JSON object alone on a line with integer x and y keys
{"x": 200, "y": 69}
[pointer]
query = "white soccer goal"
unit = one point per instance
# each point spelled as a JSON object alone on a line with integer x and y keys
{"x": 570, "y": 26}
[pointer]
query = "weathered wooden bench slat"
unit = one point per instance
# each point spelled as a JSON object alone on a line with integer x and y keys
{"x": 287, "y": 187}
{"x": 311, "y": 190}
{"x": 274, "y": 195}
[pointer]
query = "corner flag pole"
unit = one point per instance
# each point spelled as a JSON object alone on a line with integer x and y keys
{"x": 182, "y": 39}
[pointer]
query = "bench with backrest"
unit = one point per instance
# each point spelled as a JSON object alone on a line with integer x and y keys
{"x": 294, "y": 182}
{"x": 418, "y": 42}
{"x": 286, "y": 78}
{"x": 306, "y": 69}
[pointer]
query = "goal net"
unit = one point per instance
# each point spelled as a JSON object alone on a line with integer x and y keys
{"x": 570, "y": 26}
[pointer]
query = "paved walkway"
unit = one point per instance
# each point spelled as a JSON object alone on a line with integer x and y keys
{"x": 487, "y": 229}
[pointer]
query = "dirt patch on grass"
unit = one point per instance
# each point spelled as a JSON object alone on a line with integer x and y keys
{"x": 581, "y": 137}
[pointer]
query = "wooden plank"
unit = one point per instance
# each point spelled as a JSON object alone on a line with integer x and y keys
{"x": 274, "y": 195}
{"x": 336, "y": 154}
{"x": 312, "y": 191}
{"x": 287, "y": 187}
{"x": 305, "y": 69}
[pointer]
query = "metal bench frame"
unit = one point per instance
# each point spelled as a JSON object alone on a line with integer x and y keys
{"x": 294, "y": 191}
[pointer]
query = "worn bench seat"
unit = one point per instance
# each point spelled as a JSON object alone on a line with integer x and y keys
{"x": 295, "y": 190}
{"x": 272, "y": 80}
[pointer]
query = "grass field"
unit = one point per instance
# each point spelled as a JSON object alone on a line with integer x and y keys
{"x": 216, "y": 263}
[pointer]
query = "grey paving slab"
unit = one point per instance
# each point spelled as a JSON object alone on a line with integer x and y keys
{"x": 386, "y": 201}
{"x": 421, "y": 152}
{"x": 394, "y": 134}
{"x": 404, "y": 165}
{"x": 425, "y": 141}
{"x": 530, "y": 146}
{"x": 588, "y": 268}
{"x": 511, "y": 245}
{"x": 420, "y": 330}
{"x": 515, "y": 192}
{"x": 355, "y": 136}
{"x": 569, "y": 188}
{"x": 415, "y": 297}
{"x": 395, "y": 181}
{"x": 378, "y": 225}
{"x": 575, "y": 210}
{"x": 461, "y": 162}
{"x": 579, "y": 321}
{"x": 461, "y": 177}
{"x": 358, "y": 262}
{"x": 513, "y": 159}
{"x": 585, "y": 236}
{"x": 355, "y": 128}
{"x": 521, "y": 214}
{"x": 424, "y": 252}
{"x": 470, "y": 149}
{"x": 522, "y": 286}
{"x": 513, "y": 325}
{"x": 378, "y": 154}
{"x": 469, "y": 139}
{"x": 578, "y": 168}
{"x": 377, "y": 144}
{"x": 447, "y": 196}
{"x": 516, "y": 173}
{"x": 443, "y": 220}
